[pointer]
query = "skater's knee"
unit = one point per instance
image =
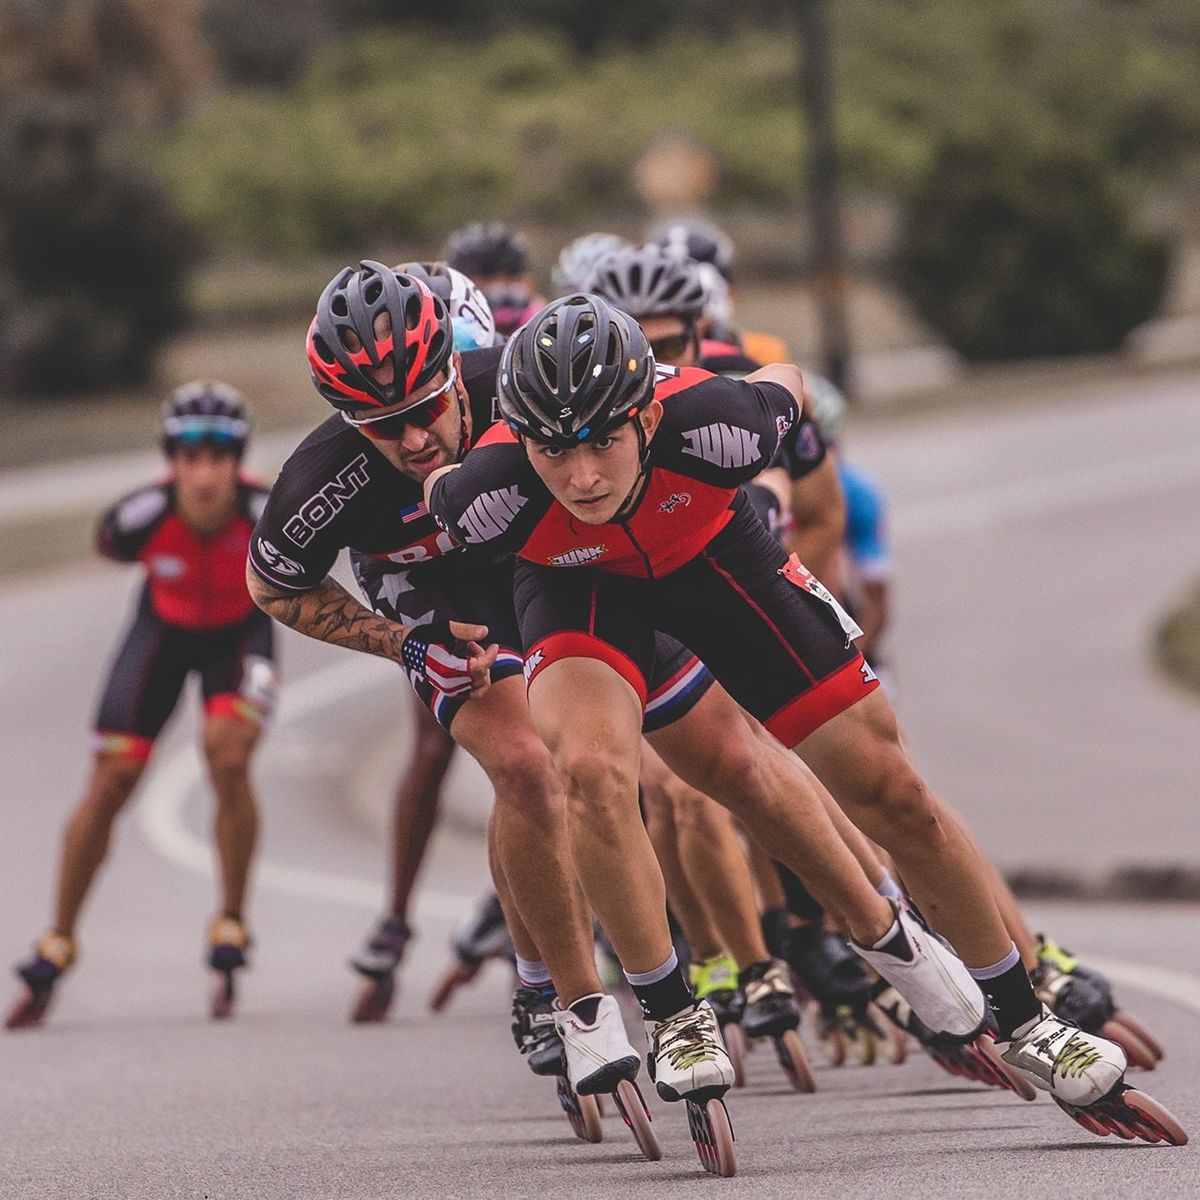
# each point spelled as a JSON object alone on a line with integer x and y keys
{"x": 522, "y": 774}
{"x": 113, "y": 780}
{"x": 910, "y": 808}
{"x": 227, "y": 750}
{"x": 728, "y": 768}
{"x": 600, "y": 787}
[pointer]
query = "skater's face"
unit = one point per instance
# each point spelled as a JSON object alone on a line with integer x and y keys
{"x": 426, "y": 432}
{"x": 593, "y": 480}
{"x": 672, "y": 339}
{"x": 205, "y": 483}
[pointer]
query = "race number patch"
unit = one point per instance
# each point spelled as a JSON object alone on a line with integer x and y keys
{"x": 794, "y": 571}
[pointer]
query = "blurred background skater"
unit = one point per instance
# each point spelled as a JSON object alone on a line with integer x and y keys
{"x": 190, "y": 532}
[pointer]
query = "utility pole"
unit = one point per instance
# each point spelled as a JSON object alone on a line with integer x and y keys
{"x": 830, "y": 272}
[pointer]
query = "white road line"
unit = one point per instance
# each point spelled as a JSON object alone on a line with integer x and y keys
{"x": 992, "y": 505}
{"x": 165, "y": 795}
{"x": 1175, "y": 986}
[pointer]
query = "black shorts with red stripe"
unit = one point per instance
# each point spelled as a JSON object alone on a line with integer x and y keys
{"x": 460, "y": 588}
{"x": 741, "y": 605}
{"x": 236, "y": 665}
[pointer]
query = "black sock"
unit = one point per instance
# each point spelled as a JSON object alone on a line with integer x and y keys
{"x": 586, "y": 1007}
{"x": 666, "y": 997}
{"x": 897, "y": 945}
{"x": 1012, "y": 999}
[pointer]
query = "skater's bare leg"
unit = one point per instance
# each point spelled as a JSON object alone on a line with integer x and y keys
{"x": 779, "y": 801}
{"x": 858, "y": 755}
{"x": 414, "y": 814}
{"x": 89, "y": 827}
{"x": 591, "y": 719}
{"x": 529, "y": 823}
{"x": 766, "y": 879}
{"x": 228, "y": 744}
{"x": 702, "y": 935}
{"x": 522, "y": 941}
{"x": 715, "y": 865}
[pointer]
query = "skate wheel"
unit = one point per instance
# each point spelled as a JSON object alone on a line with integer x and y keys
{"x": 450, "y": 982}
{"x": 600, "y": 1105}
{"x": 794, "y": 1063}
{"x": 736, "y": 1046}
{"x": 636, "y": 1115}
{"x": 860, "y": 1042}
{"x": 1138, "y": 1053}
{"x": 1014, "y": 1081}
{"x": 1139, "y": 1030}
{"x": 832, "y": 1044}
{"x": 223, "y": 996}
{"x": 374, "y": 1000}
{"x": 713, "y": 1136}
{"x": 582, "y": 1112}
{"x": 1154, "y": 1117}
{"x": 28, "y": 1010}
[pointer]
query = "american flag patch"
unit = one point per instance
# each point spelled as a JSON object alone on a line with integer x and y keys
{"x": 413, "y": 513}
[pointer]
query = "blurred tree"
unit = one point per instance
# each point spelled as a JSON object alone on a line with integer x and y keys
{"x": 1014, "y": 249}
{"x": 268, "y": 42}
{"x": 92, "y": 254}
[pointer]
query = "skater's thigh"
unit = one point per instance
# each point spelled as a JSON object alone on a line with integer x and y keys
{"x": 496, "y": 729}
{"x": 857, "y": 751}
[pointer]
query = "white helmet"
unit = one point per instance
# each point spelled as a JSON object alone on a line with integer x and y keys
{"x": 470, "y": 314}
{"x": 718, "y": 308}
{"x": 577, "y": 259}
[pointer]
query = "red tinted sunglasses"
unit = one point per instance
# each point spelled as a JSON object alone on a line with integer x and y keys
{"x": 390, "y": 427}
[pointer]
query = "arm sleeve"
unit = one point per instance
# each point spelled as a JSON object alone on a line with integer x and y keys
{"x": 725, "y": 431}
{"x": 287, "y": 554}
{"x": 126, "y": 527}
{"x": 492, "y": 499}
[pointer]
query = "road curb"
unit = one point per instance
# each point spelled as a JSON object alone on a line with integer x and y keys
{"x": 1156, "y": 882}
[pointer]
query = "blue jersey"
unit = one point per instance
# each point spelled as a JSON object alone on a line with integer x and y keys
{"x": 866, "y": 533}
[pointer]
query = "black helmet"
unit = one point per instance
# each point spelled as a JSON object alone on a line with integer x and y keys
{"x": 689, "y": 238}
{"x": 648, "y": 281}
{"x": 350, "y": 302}
{"x": 205, "y": 412}
{"x": 482, "y": 251}
{"x": 574, "y": 372}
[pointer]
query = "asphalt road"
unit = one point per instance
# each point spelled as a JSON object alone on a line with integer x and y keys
{"x": 1035, "y": 547}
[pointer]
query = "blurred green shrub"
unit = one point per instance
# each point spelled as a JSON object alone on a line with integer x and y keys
{"x": 1014, "y": 249}
{"x": 93, "y": 254}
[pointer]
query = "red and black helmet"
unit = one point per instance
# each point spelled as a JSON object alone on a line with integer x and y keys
{"x": 350, "y": 303}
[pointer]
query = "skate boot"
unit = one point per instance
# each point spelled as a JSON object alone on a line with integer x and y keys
{"x": 772, "y": 1011}
{"x": 534, "y": 1031}
{"x": 1085, "y": 997}
{"x": 600, "y": 1059}
{"x": 52, "y": 955}
{"x": 481, "y": 936}
{"x": 376, "y": 960}
{"x": 931, "y": 978}
{"x": 836, "y": 979}
{"x": 1085, "y": 1076}
{"x": 597, "y": 1048}
{"x": 228, "y": 941}
{"x": 978, "y": 1061}
{"x": 688, "y": 1061}
{"x": 716, "y": 980}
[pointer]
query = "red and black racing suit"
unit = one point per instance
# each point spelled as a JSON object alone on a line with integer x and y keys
{"x": 690, "y": 559}
{"x": 194, "y": 614}
{"x": 338, "y": 491}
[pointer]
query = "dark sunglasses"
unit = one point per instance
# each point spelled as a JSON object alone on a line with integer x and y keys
{"x": 390, "y": 427}
{"x": 673, "y": 345}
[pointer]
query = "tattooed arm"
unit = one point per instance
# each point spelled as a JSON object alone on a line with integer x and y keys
{"x": 329, "y": 613}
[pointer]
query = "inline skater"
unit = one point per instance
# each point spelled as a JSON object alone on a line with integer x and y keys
{"x": 355, "y": 482}
{"x": 497, "y": 259}
{"x": 583, "y": 484}
{"x": 666, "y": 293}
{"x": 190, "y": 533}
